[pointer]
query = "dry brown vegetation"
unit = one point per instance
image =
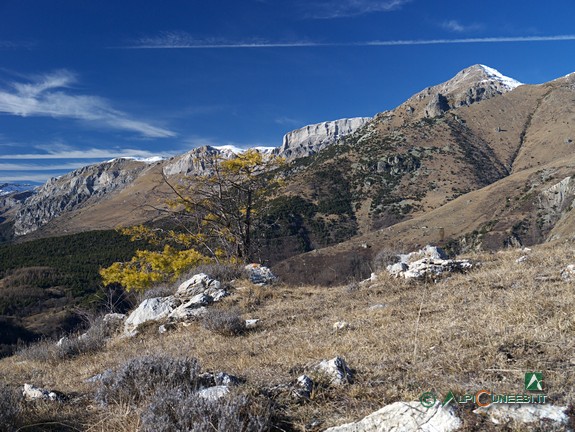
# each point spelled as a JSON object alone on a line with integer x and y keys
{"x": 483, "y": 329}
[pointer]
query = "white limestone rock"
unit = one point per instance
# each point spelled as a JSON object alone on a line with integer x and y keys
{"x": 213, "y": 393}
{"x": 252, "y": 323}
{"x": 152, "y": 309}
{"x": 183, "y": 313}
{"x": 31, "y": 392}
{"x": 335, "y": 371}
{"x": 313, "y": 138}
{"x": 524, "y": 413}
{"x": 429, "y": 262}
{"x": 303, "y": 387}
{"x": 259, "y": 274}
{"x": 405, "y": 417}
{"x": 198, "y": 284}
{"x": 341, "y": 325}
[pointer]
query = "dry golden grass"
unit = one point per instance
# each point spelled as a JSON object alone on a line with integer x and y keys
{"x": 483, "y": 329}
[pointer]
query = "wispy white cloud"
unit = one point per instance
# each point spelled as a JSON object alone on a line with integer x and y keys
{"x": 330, "y": 9}
{"x": 287, "y": 121}
{"x": 10, "y": 45}
{"x": 270, "y": 44}
{"x": 36, "y": 167}
{"x": 180, "y": 39}
{"x": 49, "y": 96}
{"x": 457, "y": 27}
{"x": 63, "y": 151}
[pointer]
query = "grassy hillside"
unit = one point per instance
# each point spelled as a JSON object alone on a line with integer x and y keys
{"x": 472, "y": 331}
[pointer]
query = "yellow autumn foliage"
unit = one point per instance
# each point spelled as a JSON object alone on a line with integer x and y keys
{"x": 147, "y": 268}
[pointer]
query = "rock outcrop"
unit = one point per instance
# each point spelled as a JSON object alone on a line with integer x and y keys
{"x": 313, "y": 138}
{"x": 188, "y": 303}
{"x": 259, "y": 274}
{"x": 429, "y": 262}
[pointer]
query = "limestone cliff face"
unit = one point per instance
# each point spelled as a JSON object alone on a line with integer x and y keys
{"x": 196, "y": 161}
{"x": 313, "y": 138}
{"x": 74, "y": 189}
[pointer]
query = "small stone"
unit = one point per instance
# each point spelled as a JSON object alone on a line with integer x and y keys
{"x": 568, "y": 273}
{"x": 303, "y": 387}
{"x": 31, "y": 392}
{"x": 252, "y": 323}
{"x": 114, "y": 317}
{"x": 341, "y": 325}
{"x": 224, "y": 379}
{"x": 213, "y": 393}
{"x": 62, "y": 341}
{"x": 335, "y": 370}
{"x": 521, "y": 259}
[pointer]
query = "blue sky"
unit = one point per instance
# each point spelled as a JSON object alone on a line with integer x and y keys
{"x": 83, "y": 81}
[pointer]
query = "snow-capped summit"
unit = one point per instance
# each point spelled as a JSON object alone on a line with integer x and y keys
{"x": 471, "y": 85}
{"x": 494, "y": 74}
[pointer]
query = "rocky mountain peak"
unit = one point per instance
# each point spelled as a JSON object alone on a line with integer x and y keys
{"x": 471, "y": 85}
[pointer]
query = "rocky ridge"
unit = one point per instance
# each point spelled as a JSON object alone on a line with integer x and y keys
{"x": 311, "y": 139}
{"x": 72, "y": 190}
{"x": 91, "y": 184}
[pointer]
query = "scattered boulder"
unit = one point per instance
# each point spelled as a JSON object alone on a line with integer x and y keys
{"x": 524, "y": 413}
{"x": 213, "y": 393}
{"x": 31, "y": 393}
{"x": 188, "y": 303}
{"x": 405, "y": 417}
{"x": 335, "y": 371}
{"x": 152, "y": 309}
{"x": 188, "y": 312}
{"x": 259, "y": 274}
{"x": 429, "y": 262}
{"x": 303, "y": 387}
{"x": 200, "y": 284}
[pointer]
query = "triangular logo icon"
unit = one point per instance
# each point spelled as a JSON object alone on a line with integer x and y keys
{"x": 448, "y": 398}
{"x": 534, "y": 381}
